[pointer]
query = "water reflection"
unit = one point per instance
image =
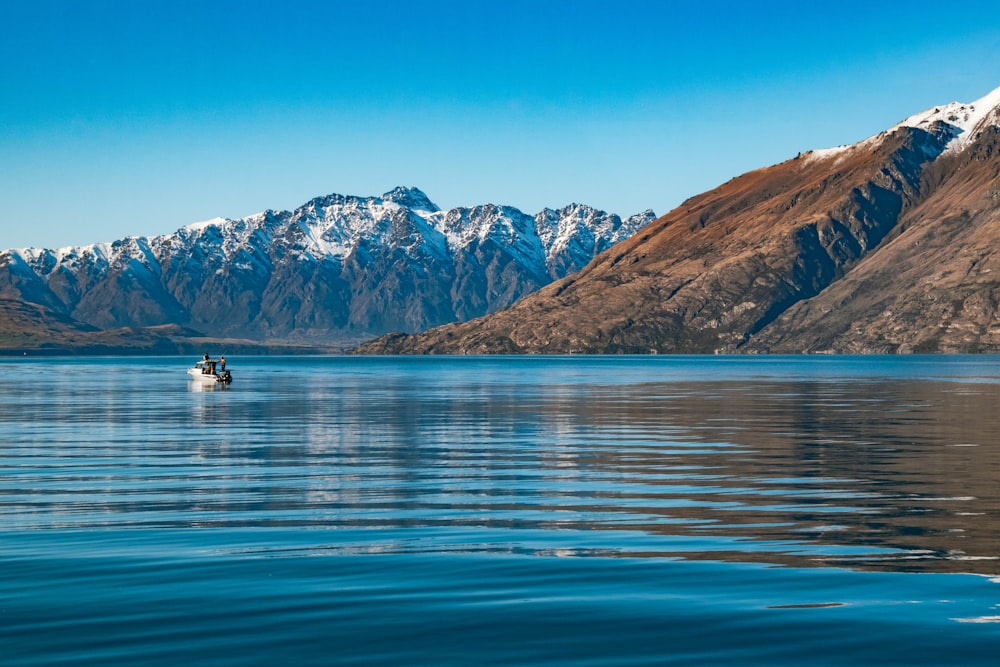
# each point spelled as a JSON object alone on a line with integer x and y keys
{"x": 198, "y": 387}
{"x": 862, "y": 471}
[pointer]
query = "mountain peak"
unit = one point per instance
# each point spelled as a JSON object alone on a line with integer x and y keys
{"x": 963, "y": 118}
{"x": 962, "y": 121}
{"x": 412, "y": 198}
{"x": 200, "y": 226}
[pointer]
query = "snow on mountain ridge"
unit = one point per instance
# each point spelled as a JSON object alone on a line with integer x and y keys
{"x": 198, "y": 226}
{"x": 964, "y": 120}
{"x": 44, "y": 261}
{"x": 332, "y": 226}
{"x": 411, "y": 198}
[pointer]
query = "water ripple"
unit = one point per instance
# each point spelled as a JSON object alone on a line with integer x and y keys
{"x": 318, "y": 500}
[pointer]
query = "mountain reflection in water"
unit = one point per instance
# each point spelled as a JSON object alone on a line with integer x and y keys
{"x": 863, "y": 473}
{"x": 811, "y": 469}
{"x": 874, "y": 474}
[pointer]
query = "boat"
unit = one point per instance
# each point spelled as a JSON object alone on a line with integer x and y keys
{"x": 210, "y": 371}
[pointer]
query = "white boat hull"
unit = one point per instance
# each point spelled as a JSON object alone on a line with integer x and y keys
{"x": 198, "y": 373}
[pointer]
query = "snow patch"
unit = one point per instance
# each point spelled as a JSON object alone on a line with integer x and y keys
{"x": 826, "y": 153}
{"x": 201, "y": 226}
{"x": 965, "y": 120}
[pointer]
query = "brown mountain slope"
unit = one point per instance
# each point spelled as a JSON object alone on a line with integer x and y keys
{"x": 30, "y": 325}
{"x": 32, "y": 329}
{"x": 720, "y": 268}
{"x": 27, "y": 328}
{"x": 933, "y": 287}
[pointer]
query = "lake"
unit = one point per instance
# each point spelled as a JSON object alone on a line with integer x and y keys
{"x": 501, "y": 510}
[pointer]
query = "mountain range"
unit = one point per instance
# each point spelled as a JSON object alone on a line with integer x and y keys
{"x": 338, "y": 269}
{"x": 888, "y": 245}
{"x": 883, "y": 246}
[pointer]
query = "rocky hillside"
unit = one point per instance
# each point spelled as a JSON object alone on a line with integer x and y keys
{"x": 887, "y": 245}
{"x": 339, "y": 268}
{"x": 28, "y": 329}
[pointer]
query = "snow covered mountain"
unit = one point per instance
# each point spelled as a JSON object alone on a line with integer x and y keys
{"x": 339, "y": 268}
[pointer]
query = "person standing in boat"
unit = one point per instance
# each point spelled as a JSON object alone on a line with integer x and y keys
{"x": 222, "y": 363}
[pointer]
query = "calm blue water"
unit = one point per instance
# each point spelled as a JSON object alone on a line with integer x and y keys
{"x": 460, "y": 511}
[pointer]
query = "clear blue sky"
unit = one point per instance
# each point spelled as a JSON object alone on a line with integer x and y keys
{"x": 124, "y": 117}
